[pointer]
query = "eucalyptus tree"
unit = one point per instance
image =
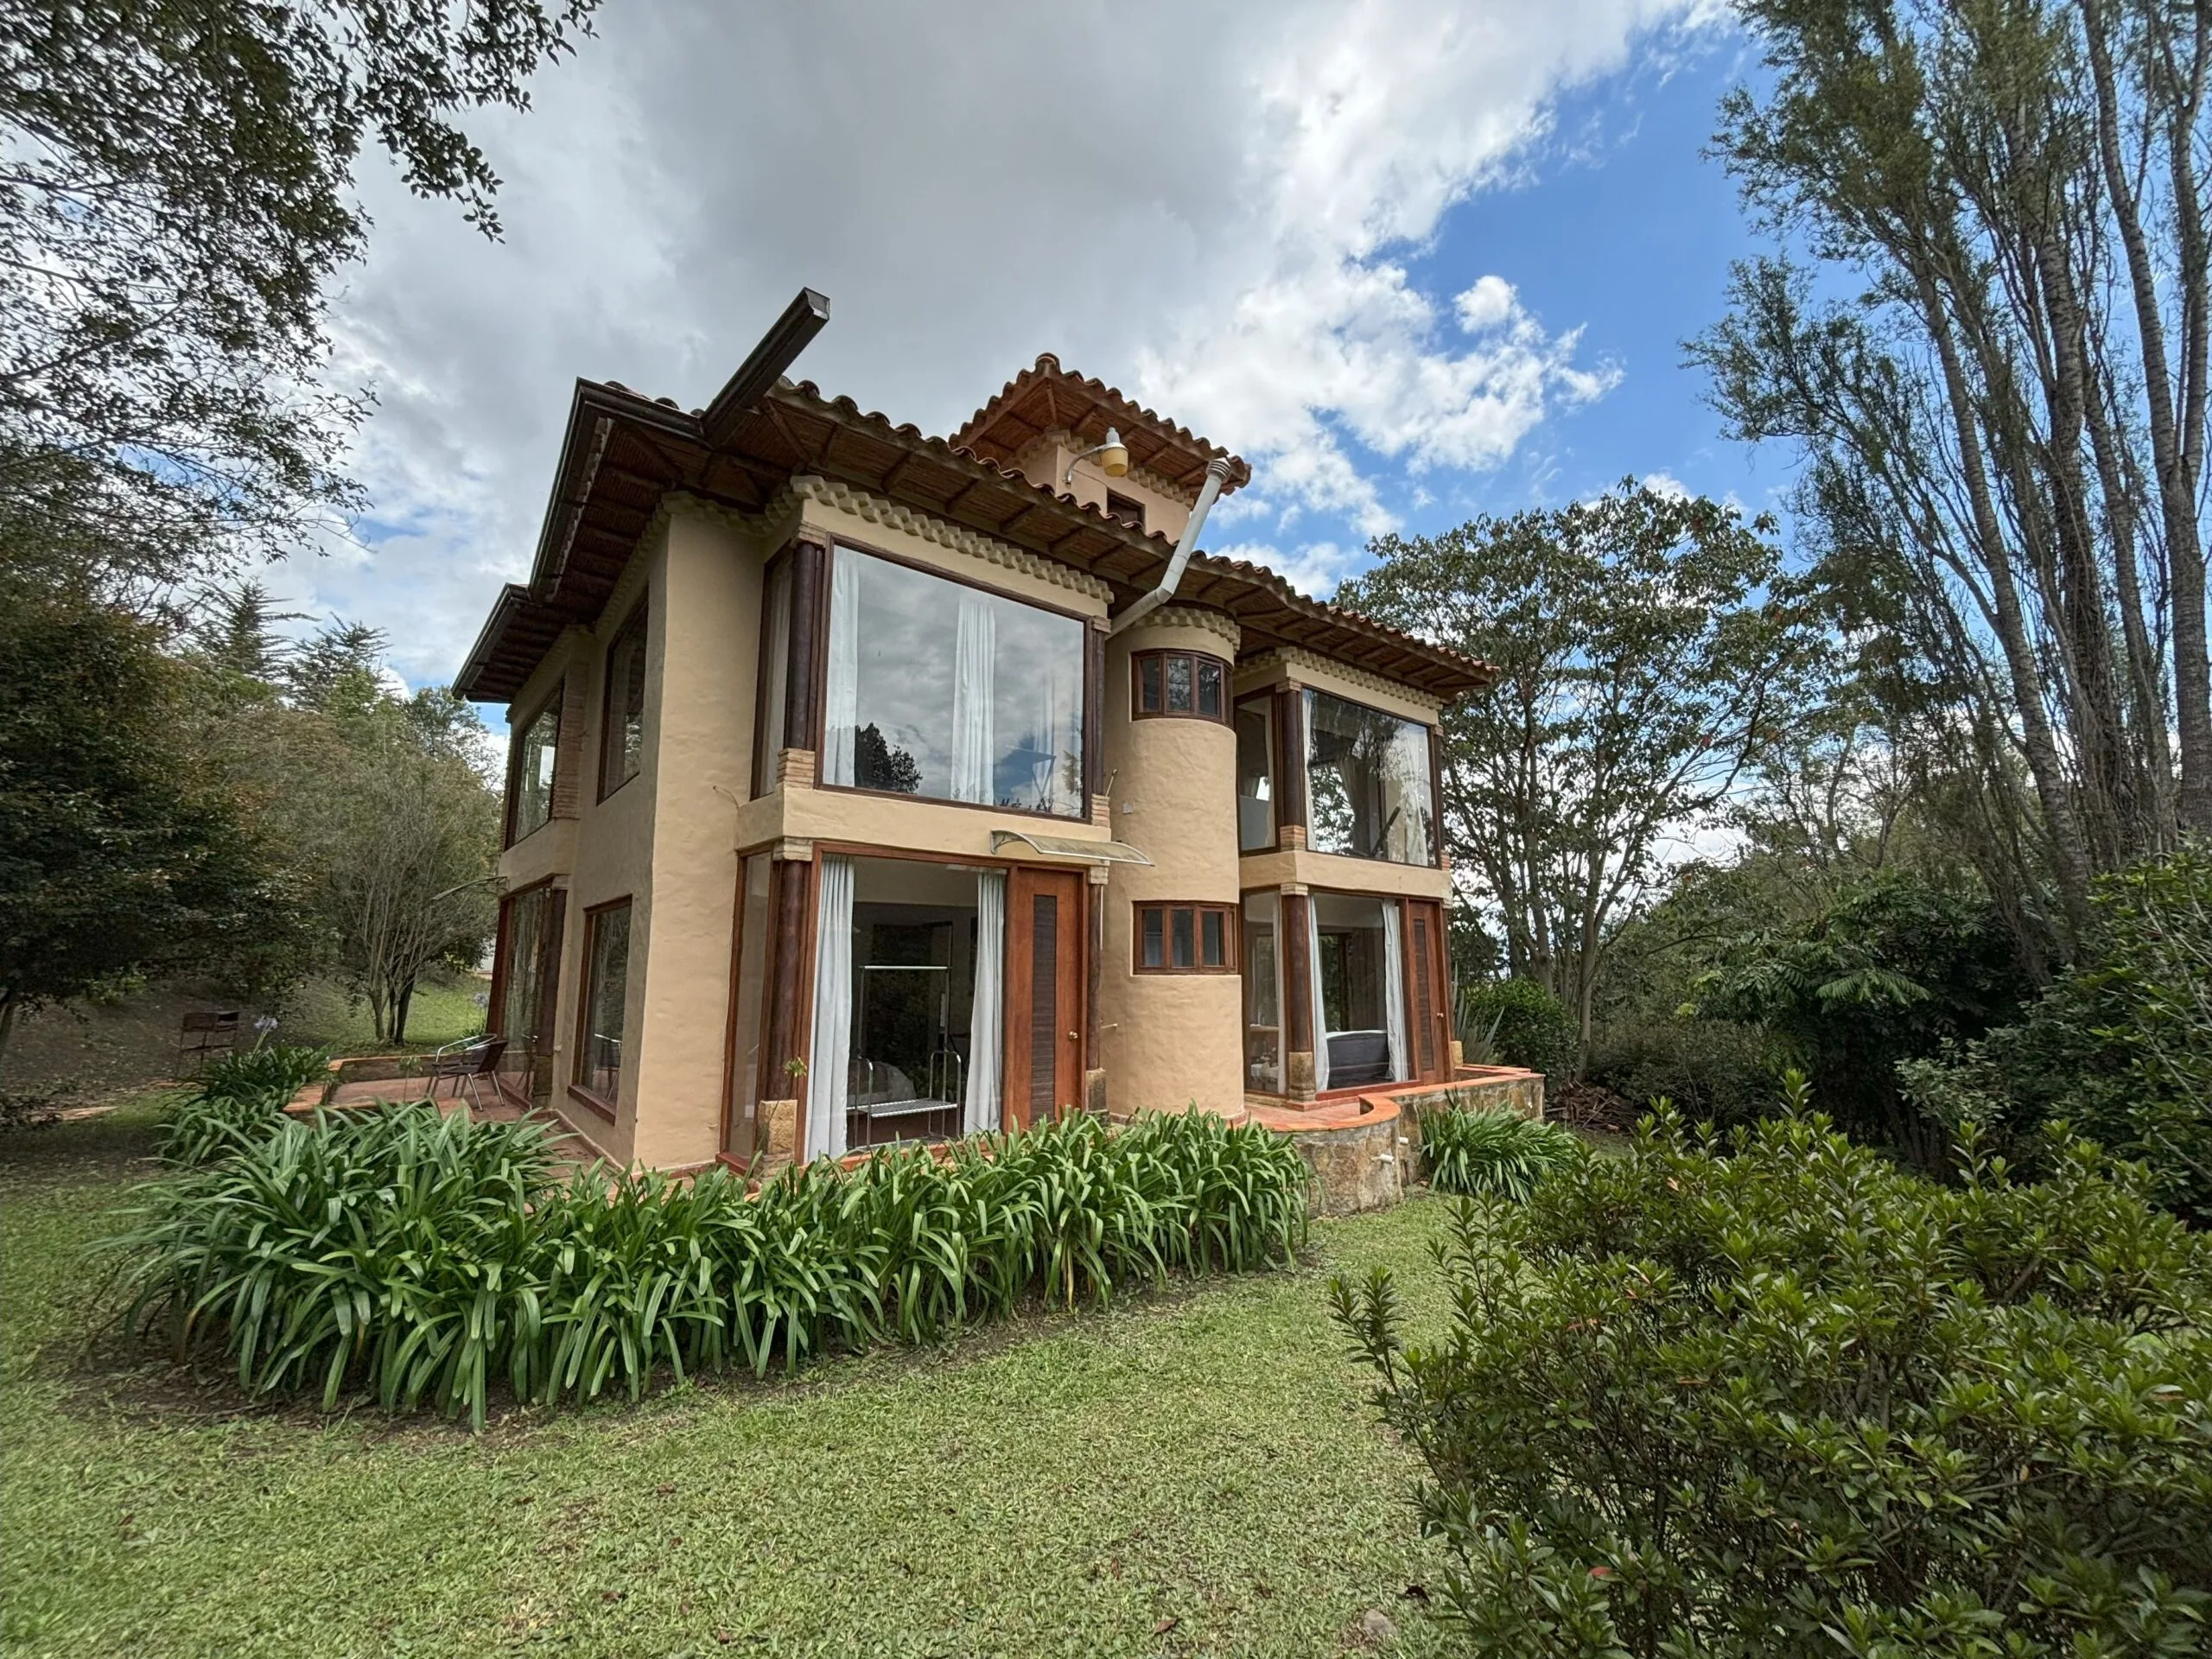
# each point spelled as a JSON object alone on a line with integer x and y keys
{"x": 2003, "y": 416}
{"x": 1645, "y": 659}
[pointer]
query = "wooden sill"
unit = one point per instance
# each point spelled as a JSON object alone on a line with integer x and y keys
{"x": 598, "y": 1103}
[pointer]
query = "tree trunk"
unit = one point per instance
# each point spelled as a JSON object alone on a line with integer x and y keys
{"x": 399, "y": 1006}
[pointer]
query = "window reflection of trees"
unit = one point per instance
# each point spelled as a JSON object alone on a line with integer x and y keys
{"x": 1368, "y": 785}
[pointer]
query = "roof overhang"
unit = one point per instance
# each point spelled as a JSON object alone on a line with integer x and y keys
{"x": 623, "y": 453}
{"x": 1047, "y": 398}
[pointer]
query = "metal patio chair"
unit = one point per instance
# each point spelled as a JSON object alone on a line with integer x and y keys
{"x": 467, "y": 1065}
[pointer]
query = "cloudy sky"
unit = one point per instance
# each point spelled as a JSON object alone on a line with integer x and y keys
{"x": 1414, "y": 260}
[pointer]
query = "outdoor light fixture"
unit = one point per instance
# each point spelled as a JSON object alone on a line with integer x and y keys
{"x": 1113, "y": 456}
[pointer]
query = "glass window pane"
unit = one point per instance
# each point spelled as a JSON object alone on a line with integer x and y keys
{"x": 1155, "y": 955}
{"x": 607, "y": 970}
{"x": 1262, "y": 1016}
{"x": 1367, "y": 789}
{"x": 1210, "y": 690}
{"x": 1182, "y": 935}
{"x": 623, "y": 745}
{"x": 540, "y": 745}
{"x": 1255, "y": 824}
{"x": 1149, "y": 685}
{"x": 1213, "y": 936}
{"x": 752, "y": 1007}
{"x": 1178, "y": 685}
{"x": 955, "y": 694}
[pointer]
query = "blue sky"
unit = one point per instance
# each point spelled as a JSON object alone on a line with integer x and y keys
{"x": 1416, "y": 260}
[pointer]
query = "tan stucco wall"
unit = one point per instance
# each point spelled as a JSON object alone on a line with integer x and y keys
{"x": 1044, "y": 461}
{"x": 812, "y": 814}
{"x": 1169, "y": 1038}
{"x": 1334, "y": 872}
{"x": 706, "y": 612}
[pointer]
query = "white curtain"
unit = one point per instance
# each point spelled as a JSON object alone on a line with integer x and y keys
{"x": 1393, "y": 992}
{"x": 974, "y": 750}
{"x": 986, "y": 1034}
{"x": 828, "y": 1060}
{"x": 1320, "y": 1015}
{"x": 842, "y": 680}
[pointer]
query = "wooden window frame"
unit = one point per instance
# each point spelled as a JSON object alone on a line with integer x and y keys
{"x": 517, "y": 733}
{"x": 579, "y": 1063}
{"x": 819, "y": 673}
{"x": 1138, "y": 659}
{"x": 634, "y": 623}
{"x": 1126, "y": 510}
{"x": 1231, "y": 936}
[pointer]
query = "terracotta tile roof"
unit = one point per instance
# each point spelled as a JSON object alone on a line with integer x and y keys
{"x": 1045, "y": 397}
{"x": 624, "y": 451}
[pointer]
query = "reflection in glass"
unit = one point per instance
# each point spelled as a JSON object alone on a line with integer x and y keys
{"x": 945, "y": 691}
{"x": 535, "y": 755}
{"x": 1256, "y": 823}
{"x": 1367, "y": 786}
{"x": 607, "y": 986}
{"x": 751, "y": 1006}
{"x": 1262, "y": 996}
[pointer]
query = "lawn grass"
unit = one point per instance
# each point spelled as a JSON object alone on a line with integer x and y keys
{"x": 444, "y": 1009}
{"x": 1193, "y": 1473}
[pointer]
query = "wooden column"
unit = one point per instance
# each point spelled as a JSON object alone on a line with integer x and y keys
{"x": 1290, "y": 766}
{"x": 1298, "y": 996}
{"x": 788, "y": 1010}
{"x": 1094, "y": 711}
{"x": 809, "y": 624}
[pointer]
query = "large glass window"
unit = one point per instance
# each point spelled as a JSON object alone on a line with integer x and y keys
{"x": 622, "y": 731}
{"x": 1358, "y": 989}
{"x": 943, "y": 691}
{"x": 607, "y": 990}
{"x": 536, "y": 751}
{"x": 1255, "y": 775}
{"x": 1262, "y": 996}
{"x": 1368, "y": 785}
{"x": 530, "y": 943}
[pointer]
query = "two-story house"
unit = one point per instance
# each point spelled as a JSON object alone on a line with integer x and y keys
{"x": 867, "y": 786}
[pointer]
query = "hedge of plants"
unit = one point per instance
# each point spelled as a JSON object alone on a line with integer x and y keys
{"x": 239, "y": 1099}
{"x": 425, "y": 1260}
{"x": 1518, "y": 1022}
{"x": 1771, "y": 1394}
{"x": 1494, "y": 1152}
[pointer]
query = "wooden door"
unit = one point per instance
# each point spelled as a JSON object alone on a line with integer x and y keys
{"x": 1428, "y": 1013}
{"x": 1045, "y": 925}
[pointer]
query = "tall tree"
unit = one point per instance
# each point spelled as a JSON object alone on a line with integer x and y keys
{"x": 175, "y": 197}
{"x": 1642, "y": 662}
{"x": 2007, "y": 423}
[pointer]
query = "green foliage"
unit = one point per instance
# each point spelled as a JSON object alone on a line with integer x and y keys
{"x": 2120, "y": 1046}
{"x": 1715, "y": 1070}
{"x": 1889, "y": 972}
{"x": 1498, "y": 1153}
{"x": 1523, "y": 1024}
{"x": 1775, "y": 1395}
{"x": 118, "y": 856}
{"x": 425, "y": 1259}
{"x": 239, "y": 1102}
{"x": 1639, "y": 662}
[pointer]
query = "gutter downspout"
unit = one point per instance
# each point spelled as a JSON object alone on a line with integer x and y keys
{"x": 1216, "y": 475}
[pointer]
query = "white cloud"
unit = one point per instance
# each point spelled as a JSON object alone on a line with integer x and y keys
{"x": 1665, "y": 484}
{"x": 1313, "y": 567}
{"x": 1216, "y": 213}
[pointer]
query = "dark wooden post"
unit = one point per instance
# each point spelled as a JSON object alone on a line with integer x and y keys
{"x": 1094, "y": 711}
{"x": 810, "y": 622}
{"x": 787, "y": 997}
{"x": 1290, "y": 766}
{"x": 1094, "y": 1061}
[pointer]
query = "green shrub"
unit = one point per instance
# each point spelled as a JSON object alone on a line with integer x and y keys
{"x": 1714, "y": 1070}
{"x": 2119, "y": 1047}
{"x": 240, "y": 1101}
{"x": 425, "y": 1259}
{"x": 272, "y": 1069}
{"x": 1498, "y": 1153}
{"x": 1523, "y": 1024}
{"x": 1777, "y": 1395}
{"x": 1889, "y": 972}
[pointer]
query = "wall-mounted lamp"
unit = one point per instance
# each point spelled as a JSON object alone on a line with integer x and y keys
{"x": 1113, "y": 456}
